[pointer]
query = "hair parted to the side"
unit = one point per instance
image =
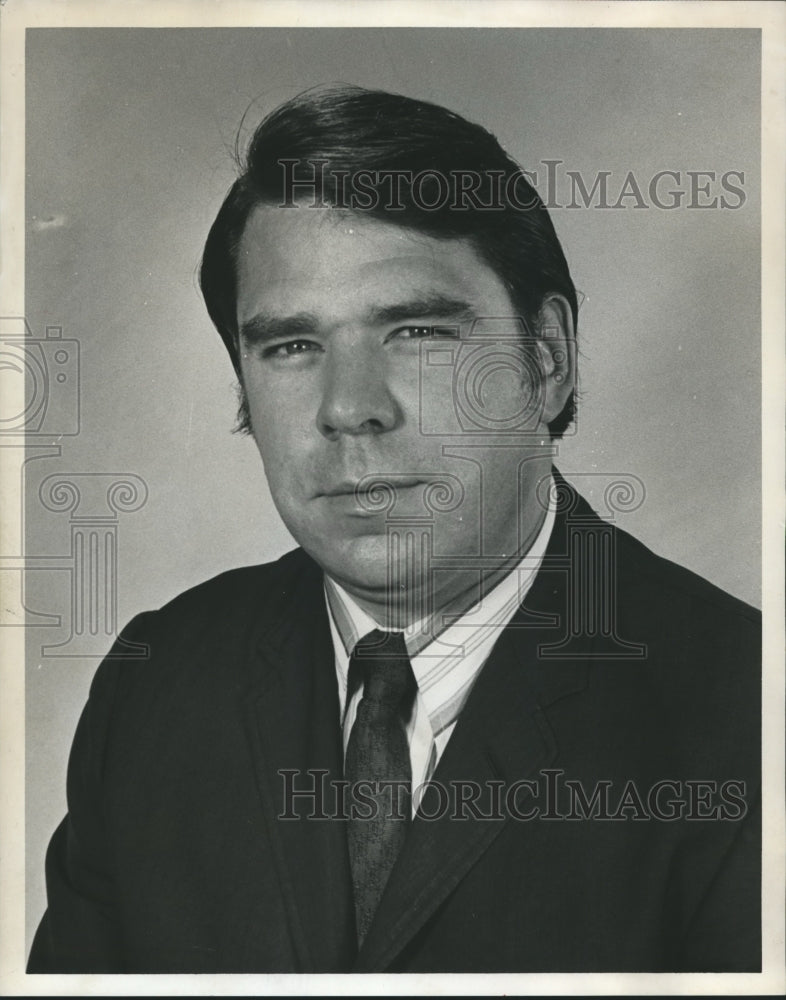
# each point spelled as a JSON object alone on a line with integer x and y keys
{"x": 355, "y": 130}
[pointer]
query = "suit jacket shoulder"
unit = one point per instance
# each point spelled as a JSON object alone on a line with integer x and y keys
{"x": 638, "y": 561}
{"x": 247, "y": 601}
{"x": 264, "y": 589}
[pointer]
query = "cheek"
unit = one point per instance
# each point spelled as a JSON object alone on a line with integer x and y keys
{"x": 282, "y": 418}
{"x": 278, "y": 447}
{"x": 430, "y": 403}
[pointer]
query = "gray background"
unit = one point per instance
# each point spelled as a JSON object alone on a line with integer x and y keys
{"x": 129, "y": 139}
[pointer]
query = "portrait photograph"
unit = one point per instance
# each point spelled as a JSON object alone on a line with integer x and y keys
{"x": 392, "y": 560}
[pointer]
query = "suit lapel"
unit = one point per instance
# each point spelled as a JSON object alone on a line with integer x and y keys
{"x": 292, "y": 719}
{"x": 502, "y": 735}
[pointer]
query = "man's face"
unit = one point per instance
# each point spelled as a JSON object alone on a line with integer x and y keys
{"x": 334, "y": 311}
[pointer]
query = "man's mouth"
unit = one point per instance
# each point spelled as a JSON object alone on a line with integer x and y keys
{"x": 370, "y": 486}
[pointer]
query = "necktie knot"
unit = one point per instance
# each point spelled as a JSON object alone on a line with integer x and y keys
{"x": 381, "y": 660}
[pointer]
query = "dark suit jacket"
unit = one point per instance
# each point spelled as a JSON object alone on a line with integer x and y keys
{"x": 172, "y": 857}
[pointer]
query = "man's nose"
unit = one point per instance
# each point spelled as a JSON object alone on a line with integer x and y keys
{"x": 356, "y": 398}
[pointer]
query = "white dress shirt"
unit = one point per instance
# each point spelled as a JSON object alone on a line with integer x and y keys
{"x": 445, "y": 667}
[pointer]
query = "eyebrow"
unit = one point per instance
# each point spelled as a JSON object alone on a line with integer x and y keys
{"x": 429, "y": 304}
{"x": 264, "y": 327}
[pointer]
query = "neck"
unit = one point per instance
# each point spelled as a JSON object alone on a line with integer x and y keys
{"x": 415, "y": 603}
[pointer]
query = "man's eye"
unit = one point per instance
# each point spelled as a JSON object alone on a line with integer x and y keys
{"x": 425, "y": 332}
{"x": 290, "y": 349}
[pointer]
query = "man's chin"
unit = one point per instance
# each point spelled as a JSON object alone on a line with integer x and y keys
{"x": 361, "y": 565}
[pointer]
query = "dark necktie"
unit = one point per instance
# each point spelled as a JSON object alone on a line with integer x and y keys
{"x": 377, "y": 754}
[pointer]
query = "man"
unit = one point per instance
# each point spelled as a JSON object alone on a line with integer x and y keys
{"x": 467, "y": 726}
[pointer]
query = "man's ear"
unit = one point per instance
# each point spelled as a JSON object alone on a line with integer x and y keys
{"x": 557, "y": 348}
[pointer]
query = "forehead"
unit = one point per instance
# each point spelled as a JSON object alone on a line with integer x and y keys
{"x": 335, "y": 262}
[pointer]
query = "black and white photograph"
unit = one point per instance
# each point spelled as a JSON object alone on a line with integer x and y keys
{"x": 392, "y": 440}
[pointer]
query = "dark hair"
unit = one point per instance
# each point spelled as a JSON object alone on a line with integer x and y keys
{"x": 322, "y": 136}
